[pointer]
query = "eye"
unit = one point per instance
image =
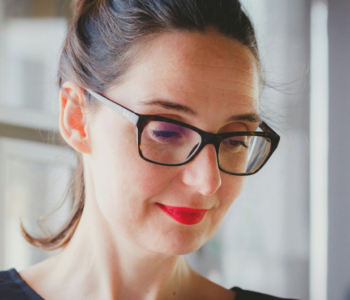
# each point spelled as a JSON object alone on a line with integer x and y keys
{"x": 166, "y": 135}
{"x": 235, "y": 143}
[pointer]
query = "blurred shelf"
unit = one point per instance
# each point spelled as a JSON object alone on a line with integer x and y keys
{"x": 28, "y": 66}
{"x": 29, "y": 118}
{"x": 37, "y": 8}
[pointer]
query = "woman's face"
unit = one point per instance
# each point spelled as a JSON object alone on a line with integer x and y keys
{"x": 205, "y": 80}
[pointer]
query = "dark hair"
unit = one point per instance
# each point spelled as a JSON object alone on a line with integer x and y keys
{"x": 105, "y": 37}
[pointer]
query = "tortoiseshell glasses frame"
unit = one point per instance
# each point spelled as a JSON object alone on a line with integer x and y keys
{"x": 270, "y": 137}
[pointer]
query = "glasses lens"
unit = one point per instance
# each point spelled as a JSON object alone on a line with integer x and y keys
{"x": 243, "y": 154}
{"x": 168, "y": 143}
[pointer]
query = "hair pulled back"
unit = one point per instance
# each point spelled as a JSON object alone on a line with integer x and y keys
{"x": 103, "y": 40}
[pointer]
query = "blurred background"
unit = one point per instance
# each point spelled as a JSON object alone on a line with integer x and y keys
{"x": 288, "y": 234}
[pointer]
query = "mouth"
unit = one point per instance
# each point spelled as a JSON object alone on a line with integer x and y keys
{"x": 183, "y": 215}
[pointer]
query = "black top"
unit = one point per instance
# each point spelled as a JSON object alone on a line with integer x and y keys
{"x": 13, "y": 287}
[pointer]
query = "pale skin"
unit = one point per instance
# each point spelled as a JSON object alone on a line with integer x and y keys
{"x": 125, "y": 247}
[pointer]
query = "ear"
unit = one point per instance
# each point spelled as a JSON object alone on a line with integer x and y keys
{"x": 72, "y": 120}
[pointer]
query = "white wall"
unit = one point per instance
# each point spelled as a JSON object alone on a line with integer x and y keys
{"x": 339, "y": 151}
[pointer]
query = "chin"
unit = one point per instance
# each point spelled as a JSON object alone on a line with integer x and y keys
{"x": 181, "y": 242}
{"x": 180, "y": 250}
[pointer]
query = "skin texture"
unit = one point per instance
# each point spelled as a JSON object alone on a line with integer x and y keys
{"x": 125, "y": 247}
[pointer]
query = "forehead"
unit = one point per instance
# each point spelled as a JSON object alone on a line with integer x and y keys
{"x": 191, "y": 67}
{"x": 179, "y": 51}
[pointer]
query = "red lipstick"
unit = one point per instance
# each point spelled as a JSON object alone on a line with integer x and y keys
{"x": 184, "y": 215}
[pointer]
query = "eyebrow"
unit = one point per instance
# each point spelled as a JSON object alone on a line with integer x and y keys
{"x": 249, "y": 117}
{"x": 169, "y": 105}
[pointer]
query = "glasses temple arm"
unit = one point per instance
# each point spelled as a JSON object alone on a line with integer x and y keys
{"x": 128, "y": 114}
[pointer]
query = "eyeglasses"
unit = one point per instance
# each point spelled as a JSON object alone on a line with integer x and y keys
{"x": 168, "y": 142}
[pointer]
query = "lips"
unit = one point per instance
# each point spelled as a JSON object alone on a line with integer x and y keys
{"x": 183, "y": 215}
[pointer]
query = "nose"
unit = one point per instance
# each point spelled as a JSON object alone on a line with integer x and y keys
{"x": 202, "y": 172}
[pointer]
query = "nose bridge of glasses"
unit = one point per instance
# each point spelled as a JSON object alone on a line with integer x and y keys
{"x": 211, "y": 139}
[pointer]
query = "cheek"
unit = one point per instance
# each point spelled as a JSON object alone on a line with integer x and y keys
{"x": 231, "y": 187}
{"x": 229, "y": 191}
{"x": 123, "y": 181}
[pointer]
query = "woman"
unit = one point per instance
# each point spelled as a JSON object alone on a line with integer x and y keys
{"x": 160, "y": 99}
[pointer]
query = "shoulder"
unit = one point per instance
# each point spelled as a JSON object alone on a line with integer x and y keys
{"x": 249, "y": 295}
{"x": 13, "y": 287}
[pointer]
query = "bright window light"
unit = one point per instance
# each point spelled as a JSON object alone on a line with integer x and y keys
{"x": 319, "y": 152}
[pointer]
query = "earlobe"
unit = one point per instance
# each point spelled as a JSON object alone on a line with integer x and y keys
{"x": 72, "y": 121}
